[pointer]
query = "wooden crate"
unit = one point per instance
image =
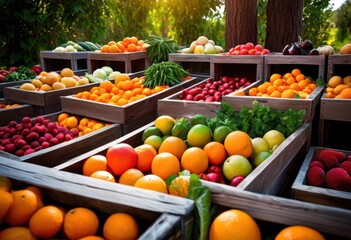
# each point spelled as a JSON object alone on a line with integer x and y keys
{"x": 278, "y": 212}
{"x": 10, "y": 84}
{"x": 130, "y": 116}
{"x": 247, "y": 66}
{"x": 312, "y": 66}
{"x": 159, "y": 216}
{"x": 61, "y": 152}
{"x": 43, "y": 102}
{"x": 15, "y": 113}
{"x": 339, "y": 65}
{"x": 332, "y": 110}
{"x": 268, "y": 177}
{"x": 193, "y": 63}
{"x": 175, "y": 107}
{"x": 128, "y": 62}
{"x": 56, "y": 61}
{"x": 301, "y": 191}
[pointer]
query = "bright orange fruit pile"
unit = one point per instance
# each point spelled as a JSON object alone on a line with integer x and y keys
{"x": 288, "y": 86}
{"x": 128, "y": 44}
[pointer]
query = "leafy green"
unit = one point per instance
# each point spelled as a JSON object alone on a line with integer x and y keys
{"x": 258, "y": 120}
{"x": 22, "y": 73}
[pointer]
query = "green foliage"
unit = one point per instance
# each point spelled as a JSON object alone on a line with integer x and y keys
{"x": 342, "y": 20}
{"x": 261, "y": 21}
{"x": 316, "y": 21}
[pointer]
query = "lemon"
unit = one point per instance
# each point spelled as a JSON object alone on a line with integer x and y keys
{"x": 154, "y": 141}
{"x": 220, "y": 133}
{"x": 199, "y": 135}
{"x": 259, "y": 145}
{"x": 165, "y": 123}
{"x": 274, "y": 138}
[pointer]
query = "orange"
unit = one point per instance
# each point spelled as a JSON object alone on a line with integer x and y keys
{"x": 146, "y": 154}
{"x": 91, "y": 238}
{"x": 66, "y": 72}
{"x": 303, "y": 83}
{"x": 194, "y": 160}
{"x": 164, "y": 165}
{"x": 6, "y": 202}
{"x": 199, "y": 135}
{"x": 173, "y": 145}
{"x": 289, "y": 93}
{"x": 238, "y": 142}
{"x": 37, "y": 191}
{"x": 299, "y": 77}
{"x": 216, "y": 153}
{"x": 105, "y": 48}
{"x": 335, "y": 81}
{"x": 299, "y": 233}
{"x": 276, "y": 94}
{"x": 106, "y": 85}
{"x": 134, "y": 40}
{"x": 295, "y": 86}
{"x": 5, "y": 183}
{"x": 290, "y": 80}
{"x": 121, "y": 226}
{"x": 15, "y": 233}
{"x": 72, "y": 122}
{"x": 103, "y": 175}
{"x": 234, "y": 224}
{"x": 93, "y": 164}
{"x": 130, "y": 176}
{"x": 253, "y": 91}
{"x": 24, "y": 205}
{"x": 121, "y": 77}
{"x": 62, "y": 117}
{"x": 274, "y": 77}
{"x": 52, "y": 77}
{"x": 80, "y": 222}
{"x": 49, "y": 216}
{"x": 296, "y": 72}
{"x": 262, "y": 88}
{"x": 131, "y": 47}
{"x": 287, "y": 76}
{"x": 126, "y": 85}
{"x": 152, "y": 182}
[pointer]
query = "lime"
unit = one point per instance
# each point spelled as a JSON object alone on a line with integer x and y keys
{"x": 261, "y": 157}
{"x": 259, "y": 145}
{"x": 199, "y": 135}
{"x": 165, "y": 123}
{"x": 154, "y": 141}
{"x": 151, "y": 131}
{"x": 220, "y": 133}
{"x": 274, "y": 138}
{"x": 198, "y": 119}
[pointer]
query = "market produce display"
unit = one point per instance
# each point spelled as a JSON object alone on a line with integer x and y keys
{"x": 20, "y": 73}
{"x": 247, "y": 49}
{"x": 2, "y": 105}
{"x": 292, "y": 84}
{"x": 330, "y": 169}
{"x": 303, "y": 47}
{"x": 158, "y": 48}
{"x": 203, "y": 45}
{"x": 49, "y": 81}
{"x": 213, "y": 90}
{"x": 32, "y": 135}
{"x": 128, "y": 44}
{"x": 338, "y": 87}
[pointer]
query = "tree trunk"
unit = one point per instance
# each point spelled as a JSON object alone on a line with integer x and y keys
{"x": 284, "y": 23}
{"x": 241, "y": 22}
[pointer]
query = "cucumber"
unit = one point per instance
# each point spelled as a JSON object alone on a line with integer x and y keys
{"x": 78, "y": 47}
{"x": 63, "y": 45}
{"x": 92, "y": 45}
{"x": 70, "y": 43}
{"x": 85, "y": 46}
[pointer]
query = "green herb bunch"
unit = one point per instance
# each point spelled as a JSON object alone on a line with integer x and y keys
{"x": 164, "y": 73}
{"x": 258, "y": 120}
{"x": 159, "y": 48}
{"x": 22, "y": 73}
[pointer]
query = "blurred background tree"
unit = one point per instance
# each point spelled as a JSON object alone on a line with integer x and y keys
{"x": 29, "y": 26}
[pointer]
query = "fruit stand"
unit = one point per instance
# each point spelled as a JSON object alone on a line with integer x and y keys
{"x": 172, "y": 148}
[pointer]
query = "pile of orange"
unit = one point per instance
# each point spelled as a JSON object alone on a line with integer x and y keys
{"x": 128, "y": 44}
{"x": 83, "y": 125}
{"x": 289, "y": 85}
{"x": 25, "y": 216}
{"x": 338, "y": 87}
{"x": 123, "y": 91}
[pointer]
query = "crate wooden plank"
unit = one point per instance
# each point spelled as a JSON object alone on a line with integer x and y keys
{"x": 194, "y": 63}
{"x": 338, "y": 65}
{"x": 55, "y": 61}
{"x": 250, "y": 67}
{"x": 61, "y": 152}
{"x": 15, "y": 113}
{"x": 10, "y": 84}
{"x": 312, "y": 66}
{"x": 301, "y": 191}
{"x": 128, "y": 62}
{"x": 266, "y": 178}
{"x": 42, "y": 98}
{"x": 309, "y": 104}
{"x": 121, "y": 114}
{"x": 164, "y": 214}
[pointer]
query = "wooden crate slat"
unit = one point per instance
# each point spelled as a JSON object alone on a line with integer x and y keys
{"x": 56, "y": 61}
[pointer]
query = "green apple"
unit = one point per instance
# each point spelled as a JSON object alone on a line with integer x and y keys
{"x": 261, "y": 157}
{"x": 236, "y": 165}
